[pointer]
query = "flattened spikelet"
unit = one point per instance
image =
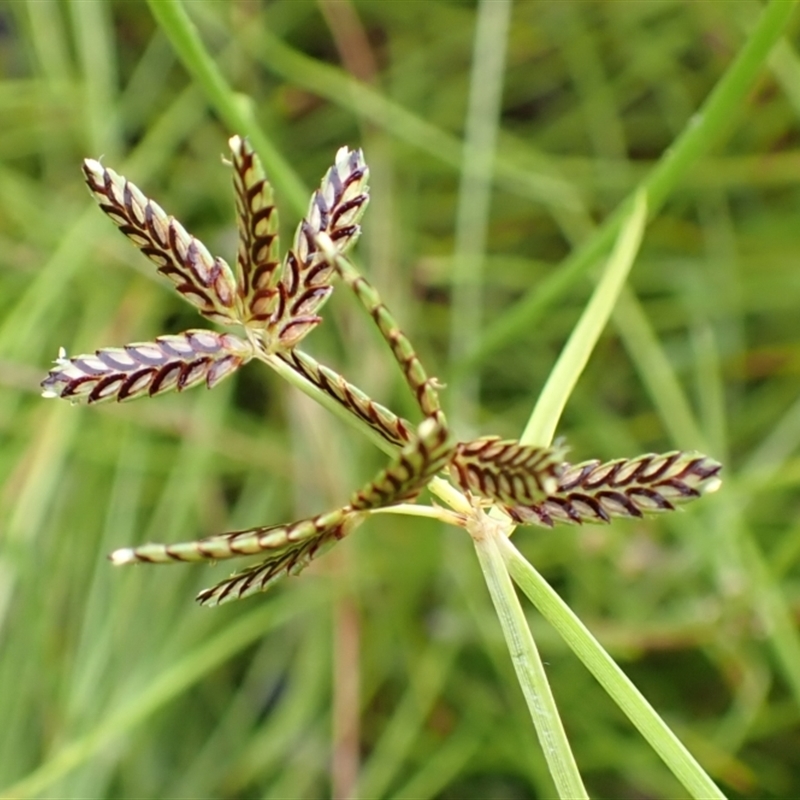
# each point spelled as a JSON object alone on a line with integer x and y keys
{"x": 169, "y": 363}
{"x": 257, "y": 261}
{"x": 597, "y": 492}
{"x": 335, "y": 209}
{"x": 408, "y": 474}
{"x": 394, "y": 429}
{"x": 422, "y": 387}
{"x": 206, "y": 282}
{"x": 261, "y": 576}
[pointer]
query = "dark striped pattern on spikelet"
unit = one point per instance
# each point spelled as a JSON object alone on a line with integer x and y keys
{"x": 206, "y": 282}
{"x": 257, "y": 262}
{"x": 506, "y": 471}
{"x": 394, "y": 429}
{"x": 335, "y": 209}
{"x": 170, "y": 363}
{"x": 595, "y": 492}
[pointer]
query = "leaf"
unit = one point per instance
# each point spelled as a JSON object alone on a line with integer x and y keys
{"x": 334, "y": 210}
{"x": 258, "y": 265}
{"x": 597, "y": 492}
{"x": 506, "y": 471}
{"x": 206, "y": 282}
{"x": 169, "y": 363}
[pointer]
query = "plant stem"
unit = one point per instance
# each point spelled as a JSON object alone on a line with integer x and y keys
{"x": 527, "y": 662}
{"x": 564, "y": 375}
{"x": 702, "y": 130}
{"x": 580, "y": 640}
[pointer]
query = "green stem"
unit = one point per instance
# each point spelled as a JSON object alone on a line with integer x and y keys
{"x": 564, "y": 375}
{"x": 527, "y": 663}
{"x": 235, "y": 109}
{"x": 704, "y": 129}
{"x": 580, "y": 640}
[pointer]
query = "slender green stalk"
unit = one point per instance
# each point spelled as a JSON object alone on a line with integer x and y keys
{"x": 564, "y": 375}
{"x": 527, "y": 663}
{"x": 163, "y": 688}
{"x": 234, "y": 109}
{"x": 475, "y": 194}
{"x": 580, "y": 640}
{"x": 703, "y": 130}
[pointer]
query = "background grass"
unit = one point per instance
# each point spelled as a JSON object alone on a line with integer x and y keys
{"x": 382, "y": 671}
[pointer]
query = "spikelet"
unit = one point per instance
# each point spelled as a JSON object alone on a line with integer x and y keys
{"x": 597, "y": 492}
{"x": 506, "y": 471}
{"x": 261, "y": 576}
{"x": 236, "y": 543}
{"x": 257, "y": 262}
{"x": 408, "y": 474}
{"x": 394, "y": 429}
{"x": 335, "y": 209}
{"x": 422, "y": 387}
{"x": 170, "y": 363}
{"x": 207, "y": 283}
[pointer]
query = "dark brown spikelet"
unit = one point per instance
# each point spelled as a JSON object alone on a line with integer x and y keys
{"x": 335, "y": 209}
{"x": 170, "y": 363}
{"x": 257, "y": 260}
{"x": 207, "y": 283}
{"x": 597, "y": 492}
{"x": 394, "y": 429}
{"x": 506, "y": 471}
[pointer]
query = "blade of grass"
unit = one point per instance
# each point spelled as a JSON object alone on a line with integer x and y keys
{"x": 474, "y": 195}
{"x": 580, "y": 640}
{"x": 160, "y": 691}
{"x": 527, "y": 663}
{"x": 564, "y": 375}
{"x": 702, "y": 131}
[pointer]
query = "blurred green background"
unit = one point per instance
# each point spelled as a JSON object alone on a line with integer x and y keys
{"x": 381, "y": 672}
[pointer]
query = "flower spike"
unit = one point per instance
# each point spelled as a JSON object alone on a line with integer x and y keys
{"x": 257, "y": 262}
{"x": 595, "y": 492}
{"x": 147, "y": 368}
{"x": 277, "y": 304}
{"x": 206, "y": 282}
{"x": 335, "y": 209}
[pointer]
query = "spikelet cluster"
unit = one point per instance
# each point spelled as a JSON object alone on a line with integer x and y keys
{"x": 277, "y": 303}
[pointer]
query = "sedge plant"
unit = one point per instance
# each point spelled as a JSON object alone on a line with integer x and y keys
{"x": 489, "y": 485}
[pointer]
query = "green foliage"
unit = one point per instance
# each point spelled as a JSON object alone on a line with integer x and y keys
{"x": 387, "y": 653}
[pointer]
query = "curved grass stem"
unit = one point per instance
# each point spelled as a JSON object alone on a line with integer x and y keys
{"x": 619, "y": 687}
{"x": 527, "y": 662}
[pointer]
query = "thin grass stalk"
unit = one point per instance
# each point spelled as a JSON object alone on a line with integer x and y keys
{"x": 704, "y": 129}
{"x": 234, "y": 108}
{"x": 564, "y": 375}
{"x": 619, "y": 687}
{"x": 164, "y": 688}
{"x": 475, "y": 195}
{"x": 527, "y": 663}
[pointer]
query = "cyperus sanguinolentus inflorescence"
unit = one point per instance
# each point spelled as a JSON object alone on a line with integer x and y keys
{"x": 276, "y": 303}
